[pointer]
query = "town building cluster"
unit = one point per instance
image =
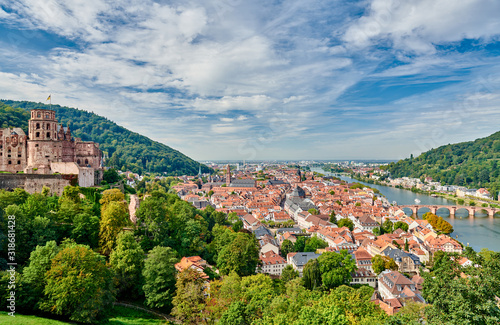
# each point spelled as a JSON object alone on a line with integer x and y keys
{"x": 286, "y": 203}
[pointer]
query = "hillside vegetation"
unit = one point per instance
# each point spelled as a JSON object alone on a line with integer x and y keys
{"x": 126, "y": 150}
{"x": 472, "y": 164}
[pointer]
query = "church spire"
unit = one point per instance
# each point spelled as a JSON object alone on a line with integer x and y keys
{"x": 228, "y": 175}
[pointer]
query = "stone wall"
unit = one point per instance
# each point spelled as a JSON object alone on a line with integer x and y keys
{"x": 34, "y": 183}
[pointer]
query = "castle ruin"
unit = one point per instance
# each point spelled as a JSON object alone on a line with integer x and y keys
{"x": 49, "y": 149}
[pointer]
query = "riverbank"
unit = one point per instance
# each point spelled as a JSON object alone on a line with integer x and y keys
{"x": 479, "y": 232}
{"x": 466, "y": 201}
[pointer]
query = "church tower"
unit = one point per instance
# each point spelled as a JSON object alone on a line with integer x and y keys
{"x": 228, "y": 175}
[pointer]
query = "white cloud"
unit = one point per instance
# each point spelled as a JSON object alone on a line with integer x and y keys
{"x": 417, "y": 25}
{"x": 228, "y": 103}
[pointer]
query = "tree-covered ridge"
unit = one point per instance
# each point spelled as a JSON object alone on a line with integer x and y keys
{"x": 126, "y": 150}
{"x": 11, "y": 117}
{"x": 472, "y": 164}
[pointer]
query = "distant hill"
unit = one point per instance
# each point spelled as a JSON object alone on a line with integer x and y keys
{"x": 126, "y": 150}
{"x": 472, "y": 164}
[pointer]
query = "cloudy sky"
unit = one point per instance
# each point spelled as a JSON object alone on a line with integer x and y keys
{"x": 234, "y": 79}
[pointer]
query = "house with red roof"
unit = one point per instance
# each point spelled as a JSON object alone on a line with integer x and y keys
{"x": 272, "y": 263}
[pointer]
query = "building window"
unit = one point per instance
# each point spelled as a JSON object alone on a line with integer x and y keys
{"x": 78, "y": 161}
{"x": 10, "y": 162}
{"x": 38, "y": 125}
{"x": 37, "y": 135}
{"x": 48, "y": 135}
{"x": 86, "y": 161}
{"x": 47, "y": 115}
{"x": 19, "y": 162}
{"x": 39, "y": 115}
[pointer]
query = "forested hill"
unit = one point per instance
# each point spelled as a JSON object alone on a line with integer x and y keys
{"x": 472, "y": 164}
{"x": 126, "y": 150}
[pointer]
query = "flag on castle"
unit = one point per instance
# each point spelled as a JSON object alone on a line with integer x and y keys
{"x": 48, "y": 98}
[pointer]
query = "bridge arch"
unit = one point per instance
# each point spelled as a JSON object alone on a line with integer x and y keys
{"x": 422, "y": 210}
{"x": 444, "y": 211}
{"x": 461, "y": 211}
{"x": 409, "y": 211}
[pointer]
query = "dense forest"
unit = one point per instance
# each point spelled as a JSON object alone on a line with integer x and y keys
{"x": 126, "y": 150}
{"x": 471, "y": 164}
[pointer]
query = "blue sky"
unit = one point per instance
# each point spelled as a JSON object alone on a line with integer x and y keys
{"x": 234, "y": 79}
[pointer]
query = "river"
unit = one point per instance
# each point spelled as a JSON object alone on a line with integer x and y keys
{"x": 479, "y": 232}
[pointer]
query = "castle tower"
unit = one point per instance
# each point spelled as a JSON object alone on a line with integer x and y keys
{"x": 42, "y": 134}
{"x": 42, "y": 125}
{"x": 228, "y": 175}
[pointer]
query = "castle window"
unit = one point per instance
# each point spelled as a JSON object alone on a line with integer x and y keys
{"x": 36, "y": 145}
{"x": 86, "y": 161}
{"x": 38, "y": 115}
{"x": 47, "y": 115}
{"x": 48, "y": 135}
{"x": 10, "y": 162}
{"x": 37, "y": 135}
{"x": 19, "y": 162}
{"x": 78, "y": 161}
{"x": 48, "y": 126}
{"x": 38, "y": 125}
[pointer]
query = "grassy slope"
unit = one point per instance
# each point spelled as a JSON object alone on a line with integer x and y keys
{"x": 119, "y": 316}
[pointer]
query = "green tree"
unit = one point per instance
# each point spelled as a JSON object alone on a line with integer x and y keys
{"x": 110, "y": 176}
{"x": 113, "y": 218}
{"x": 288, "y": 274}
{"x": 159, "y": 277}
{"x": 127, "y": 260}
{"x": 111, "y": 195}
{"x": 387, "y": 227}
{"x": 378, "y": 264}
{"x": 300, "y": 244}
{"x": 241, "y": 255}
{"x": 311, "y": 278}
{"x": 314, "y": 243}
{"x": 79, "y": 285}
{"x": 189, "y": 301}
{"x": 401, "y": 225}
{"x": 313, "y": 211}
{"x": 455, "y": 299}
{"x": 235, "y": 314}
{"x": 33, "y": 278}
{"x": 336, "y": 268}
{"x": 346, "y": 223}
{"x": 257, "y": 291}
{"x": 382, "y": 263}
{"x": 286, "y": 247}
{"x": 333, "y": 217}
{"x": 86, "y": 230}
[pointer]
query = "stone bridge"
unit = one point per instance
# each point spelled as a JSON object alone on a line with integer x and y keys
{"x": 452, "y": 209}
